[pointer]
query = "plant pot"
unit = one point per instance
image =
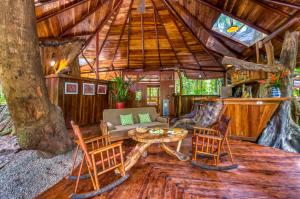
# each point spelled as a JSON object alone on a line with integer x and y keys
{"x": 275, "y": 92}
{"x": 120, "y": 105}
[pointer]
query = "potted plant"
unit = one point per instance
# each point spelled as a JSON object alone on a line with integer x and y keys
{"x": 276, "y": 79}
{"x": 120, "y": 90}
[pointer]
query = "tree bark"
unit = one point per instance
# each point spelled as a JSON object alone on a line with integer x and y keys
{"x": 244, "y": 65}
{"x": 39, "y": 124}
{"x": 282, "y": 132}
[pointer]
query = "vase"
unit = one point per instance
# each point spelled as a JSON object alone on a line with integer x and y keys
{"x": 275, "y": 92}
{"x": 120, "y": 105}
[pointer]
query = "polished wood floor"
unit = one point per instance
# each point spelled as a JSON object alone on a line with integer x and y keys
{"x": 263, "y": 173}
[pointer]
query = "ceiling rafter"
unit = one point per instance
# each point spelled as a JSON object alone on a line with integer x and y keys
{"x": 89, "y": 64}
{"x": 47, "y": 16}
{"x": 109, "y": 29}
{"x": 143, "y": 41}
{"x": 128, "y": 38}
{"x": 122, "y": 33}
{"x": 157, "y": 39}
{"x": 291, "y": 21}
{"x": 267, "y": 6}
{"x": 192, "y": 19}
{"x": 164, "y": 69}
{"x": 104, "y": 21}
{"x": 283, "y": 3}
{"x": 192, "y": 33}
{"x": 165, "y": 31}
{"x": 186, "y": 45}
{"x": 83, "y": 18}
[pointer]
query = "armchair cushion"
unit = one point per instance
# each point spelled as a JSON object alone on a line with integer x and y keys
{"x": 161, "y": 119}
{"x": 110, "y": 126}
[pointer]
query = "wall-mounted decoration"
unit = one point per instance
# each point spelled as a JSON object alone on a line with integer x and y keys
{"x": 138, "y": 95}
{"x": 71, "y": 88}
{"x": 88, "y": 89}
{"x": 102, "y": 89}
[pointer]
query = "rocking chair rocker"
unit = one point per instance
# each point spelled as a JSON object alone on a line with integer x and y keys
{"x": 100, "y": 157}
{"x": 209, "y": 143}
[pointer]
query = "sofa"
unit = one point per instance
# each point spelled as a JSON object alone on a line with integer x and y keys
{"x": 119, "y": 132}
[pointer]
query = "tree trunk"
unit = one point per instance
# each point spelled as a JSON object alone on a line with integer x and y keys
{"x": 39, "y": 124}
{"x": 64, "y": 54}
{"x": 244, "y": 65}
{"x": 282, "y": 132}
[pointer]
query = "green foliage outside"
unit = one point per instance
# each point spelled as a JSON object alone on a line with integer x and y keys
{"x": 199, "y": 87}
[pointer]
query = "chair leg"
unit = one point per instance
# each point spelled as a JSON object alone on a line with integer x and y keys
{"x": 218, "y": 154}
{"x": 196, "y": 149}
{"x": 74, "y": 160}
{"x": 229, "y": 150}
{"x": 78, "y": 176}
{"x": 179, "y": 145}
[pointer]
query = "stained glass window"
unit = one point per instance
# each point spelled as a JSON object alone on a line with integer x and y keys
{"x": 237, "y": 30}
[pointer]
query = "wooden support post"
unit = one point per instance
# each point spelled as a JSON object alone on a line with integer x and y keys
{"x": 270, "y": 52}
{"x": 180, "y": 92}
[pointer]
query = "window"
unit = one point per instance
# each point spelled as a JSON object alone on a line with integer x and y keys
{"x": 153, "y": 95}
{"x": 237, "y": 31}
{"x": 199, "y": 87}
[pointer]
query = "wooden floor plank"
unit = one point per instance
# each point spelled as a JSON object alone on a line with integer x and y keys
{"x": 263, "y": 172}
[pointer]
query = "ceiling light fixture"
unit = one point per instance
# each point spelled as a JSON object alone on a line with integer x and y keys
{"x": 52, "y": 63}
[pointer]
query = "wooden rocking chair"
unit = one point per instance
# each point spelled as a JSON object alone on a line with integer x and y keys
{"x": 210, "y": 143}
{"x": 100, "y": 157}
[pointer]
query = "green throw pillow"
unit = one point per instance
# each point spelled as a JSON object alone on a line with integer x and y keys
{"x": 126, "y": 119}
{"x": 145, "y": 118}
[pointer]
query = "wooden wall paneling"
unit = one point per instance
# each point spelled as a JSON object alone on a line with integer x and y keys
{"x": 84, "y": 110}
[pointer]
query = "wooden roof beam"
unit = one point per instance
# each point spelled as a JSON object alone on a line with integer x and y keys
{"x": 283, "y": 3}
{"x": 47, "y": 16}
{"x": 211, "y": 52}
{"x": 185, "y": 43}
{"x": 165, "y": 31}
{"x": 248, "y": 23}
{"x": 143, "y": 70}
{"x": 292, "y": 20}
{"x": 122, "y": 33}
{"x": 190, "y": 19}
{"x": 83, "y": 18}
{"x": 106, "y": 36}
{"x": 128, "y": 38}
{"x": 267, "y": 6}
{"x": 157, "y": 39}
{"x": 104, "y": 21}
{"x": 143, "y": 39}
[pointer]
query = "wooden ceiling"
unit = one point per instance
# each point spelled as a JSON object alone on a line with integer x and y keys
{"x": 143, "y": 35}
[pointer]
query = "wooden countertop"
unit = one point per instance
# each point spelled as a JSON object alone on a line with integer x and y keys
{"x": 244, "y": 99}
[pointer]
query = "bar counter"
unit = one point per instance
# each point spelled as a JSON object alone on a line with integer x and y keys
{"x": 249, "y": 116}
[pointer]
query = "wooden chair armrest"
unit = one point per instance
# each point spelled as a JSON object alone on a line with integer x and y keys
{"x": 96, "y": 138}
{"x": 116, "y": 144}
{"x": 202, "y": 128}
{"x": 209, "y": 136}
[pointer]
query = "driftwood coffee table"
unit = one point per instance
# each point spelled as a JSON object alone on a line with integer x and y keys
{"x": 147, "y": 139}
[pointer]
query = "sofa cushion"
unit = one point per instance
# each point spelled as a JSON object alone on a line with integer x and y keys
{"x": 144, "y": 118}
{"x": 126, "y": 119}
{"x": 113, "y": 115}
{"x": 126, "y": 128}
